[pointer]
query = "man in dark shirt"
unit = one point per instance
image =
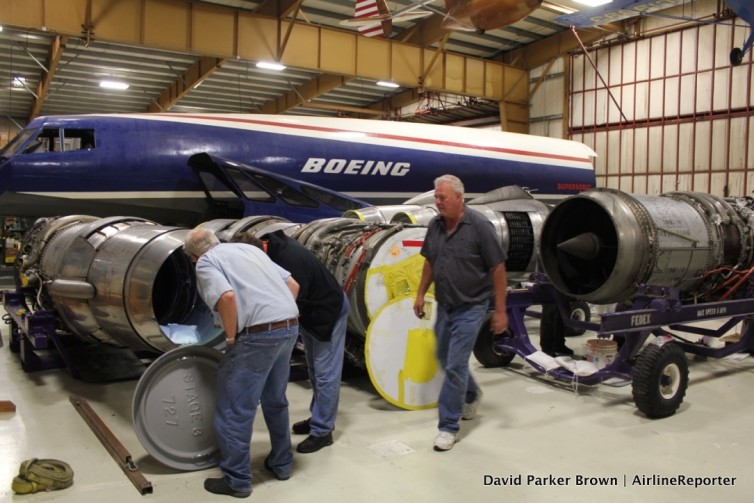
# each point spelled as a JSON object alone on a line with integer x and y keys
{"x": 465, "y": 260}
{"x": 323, "y": 308}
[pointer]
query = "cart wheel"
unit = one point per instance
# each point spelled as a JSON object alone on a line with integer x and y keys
{"x": 485, "y": 351}
{"x": 660, "y": 379}
{"x": 579, "y": 311}
{"x": 736, "y": 56}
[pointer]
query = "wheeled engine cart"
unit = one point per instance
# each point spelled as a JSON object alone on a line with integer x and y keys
{"x": 653, "y": 335}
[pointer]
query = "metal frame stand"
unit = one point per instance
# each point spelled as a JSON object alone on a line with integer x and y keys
{"x": 42, "y": 345}
{"x": 659, "y": 374}
{"x": 34, "y": 337}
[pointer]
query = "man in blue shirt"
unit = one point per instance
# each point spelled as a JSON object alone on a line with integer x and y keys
{"x": 465, "y": 260}
{"x": 255, "y": 299}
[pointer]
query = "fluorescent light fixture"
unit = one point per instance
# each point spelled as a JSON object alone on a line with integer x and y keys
{"x": 385, "y": 83}
{"x": 271, "y": 66}
{"x": 18, "y": 81}
{"x": 558, "y": 8}
{"x": 593, "y": 3}
{"x": 113, "y": 84}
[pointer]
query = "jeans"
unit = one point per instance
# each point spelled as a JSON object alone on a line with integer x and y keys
{"x": 325, "y": 362}
{"x": 456, "y": 329}
{"x": 255, "y": 369}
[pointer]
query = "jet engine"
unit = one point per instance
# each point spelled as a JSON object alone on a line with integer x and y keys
{"x": 603, "y": 245}
{"x": 126, "y": 282}
{"x": 517, "y": 217}
{"x": 122, "y": 281}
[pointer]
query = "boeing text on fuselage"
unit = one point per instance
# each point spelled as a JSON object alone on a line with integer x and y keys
{"x": 355, "y": 167}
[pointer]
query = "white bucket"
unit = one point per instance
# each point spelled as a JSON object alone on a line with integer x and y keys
{"x": 601, "y": 352}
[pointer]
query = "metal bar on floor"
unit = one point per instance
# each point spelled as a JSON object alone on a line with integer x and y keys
{"x": 112, "y": 444}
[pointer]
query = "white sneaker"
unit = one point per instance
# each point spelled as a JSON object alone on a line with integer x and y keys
{"x": 469, "y": 409}
{"x": 444, "y": 441}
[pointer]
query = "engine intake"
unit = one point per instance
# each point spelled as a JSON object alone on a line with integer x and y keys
{"x": 602, "y": 245}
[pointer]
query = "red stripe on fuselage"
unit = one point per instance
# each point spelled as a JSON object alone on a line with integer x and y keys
{"x": 385, "y": 137}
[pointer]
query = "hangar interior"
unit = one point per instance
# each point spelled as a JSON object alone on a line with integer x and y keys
{"x": 654, "y": 95}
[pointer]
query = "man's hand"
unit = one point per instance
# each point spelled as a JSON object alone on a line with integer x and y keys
{"x": 419, "y": 307}
{"x": 499, "y": 322}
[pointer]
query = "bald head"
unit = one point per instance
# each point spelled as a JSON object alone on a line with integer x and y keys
{"x": 199, "y": 240}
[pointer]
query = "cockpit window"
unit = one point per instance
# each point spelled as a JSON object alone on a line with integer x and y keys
{"x": 15, "y": 144}
{"x": 48, "y": 140}
{"x": 61, "y": 140}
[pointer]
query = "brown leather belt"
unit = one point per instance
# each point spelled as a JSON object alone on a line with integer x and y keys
{"x": 266, "y": 327}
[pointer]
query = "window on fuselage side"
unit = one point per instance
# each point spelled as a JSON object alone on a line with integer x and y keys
{"x": 330, "y": 199}
{"x": 218, "y": 191}
{"x": 250, "y": 188}
{"x": 256, "y": 186}
{"x": 78, "y": 139}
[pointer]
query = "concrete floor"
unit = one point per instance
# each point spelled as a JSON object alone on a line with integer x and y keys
{"x": 531, "y": 431}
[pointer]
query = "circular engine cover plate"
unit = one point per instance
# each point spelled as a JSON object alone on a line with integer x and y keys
{"x": 174, "y": 405}
{"x": 400, "y": 354}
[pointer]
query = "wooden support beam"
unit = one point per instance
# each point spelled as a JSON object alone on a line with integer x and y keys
{"x": 199, "y": 71}
{"x": 53, "y": 59}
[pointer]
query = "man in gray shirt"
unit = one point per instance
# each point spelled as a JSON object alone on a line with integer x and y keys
{"x": 465, "y": 260}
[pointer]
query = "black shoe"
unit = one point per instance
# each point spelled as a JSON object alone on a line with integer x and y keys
{"x": 272, "y": 470}
{"x": 564, "y": 350}
{"x": 220, "y": 486}
{"x": 302, "y": 427}
{"x": 313, "y": 444}
{"x": 561, "y": 351}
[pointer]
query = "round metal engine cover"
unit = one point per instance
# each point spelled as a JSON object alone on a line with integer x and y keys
{"x": 400, "y": 353}
{"x": 173, "y": 408}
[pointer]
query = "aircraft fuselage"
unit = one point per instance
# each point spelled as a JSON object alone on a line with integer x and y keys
{"x": 109, "y": 164}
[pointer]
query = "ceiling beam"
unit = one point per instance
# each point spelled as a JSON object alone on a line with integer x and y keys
{"x": 277, "y": 8}
{"x": 192, "y": 77}
{"x": 303, "y": 94}
{"x": 43, "y": 87}
{"x": 344, "y": 108}
{"x": 541, "y": 52}
{"x": 221, "y": 32}
{"x": 392, "y": 104}
{"x": 426, "y": 32}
